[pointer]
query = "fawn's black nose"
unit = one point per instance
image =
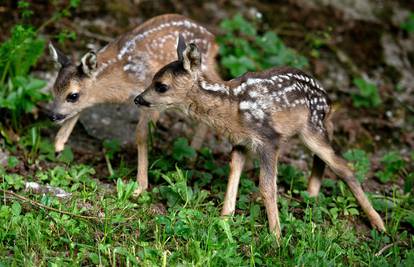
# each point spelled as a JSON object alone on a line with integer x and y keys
{"x": 56, "y": 117}
{"x": 140, "y": 101}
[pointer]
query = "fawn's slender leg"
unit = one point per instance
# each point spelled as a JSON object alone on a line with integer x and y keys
{"x": 142, "y": 147}
{"x": 199, "y": 136}
{"x": 268, "y": 186}
{"x": 64, "y": 132}
{"x": 318, "y": 168}
{"x": 238, "y": 157}
{"x": 315, "y": 179}
{"x": 321, "y": 147}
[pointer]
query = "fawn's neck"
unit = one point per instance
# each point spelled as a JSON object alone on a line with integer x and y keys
{"x": 211, "y": 102}
{"x": 119, "y": 80}
{"x": 211, "y": 95}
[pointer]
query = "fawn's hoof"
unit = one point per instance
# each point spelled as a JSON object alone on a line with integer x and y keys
{"x": 59, "y": 147}
{"x": 228, "y": 211}
{"x": 377, "y": 223}
{"x": 313, "y": 192}
{"x": 58, "y": 154}
{"x": 137, "y": 192}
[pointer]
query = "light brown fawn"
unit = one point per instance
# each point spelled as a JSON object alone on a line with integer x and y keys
{"x": 257, "y": 110}
{"x": 121, "y": 70}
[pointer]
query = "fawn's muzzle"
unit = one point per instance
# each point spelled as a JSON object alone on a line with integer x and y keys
{"x": 140, "y": 101}
{"x": 56, "y": 117}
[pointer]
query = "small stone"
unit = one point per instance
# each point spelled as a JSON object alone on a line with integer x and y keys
{"x": 111, "y": 121}
{"x": 4, "y": 157}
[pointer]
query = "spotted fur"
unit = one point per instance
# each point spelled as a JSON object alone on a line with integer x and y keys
{"x": 133, "y": 58}
{"x": 260, "y": 110}
{"x": 260, "y": 94}
{"x": 122, "y": 69}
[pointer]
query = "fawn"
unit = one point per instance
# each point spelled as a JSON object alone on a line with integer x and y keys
{"x": 120, "y": 70}
{"x": 259, "y": 111}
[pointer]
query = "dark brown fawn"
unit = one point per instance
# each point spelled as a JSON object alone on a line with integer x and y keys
{"x": 121, "y": 70}
{"x": 260, "y": 111}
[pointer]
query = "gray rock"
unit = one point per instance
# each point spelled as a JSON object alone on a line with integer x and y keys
{"x": 399, "y": 15}
{"x": 392, "y": 52}
{"x": 396, "y": 55}
{"x": 111, "y": 121}
{"x": 366, "y": 10}
{"x": 46, "y": 189}
{"x": 336, "y": 77}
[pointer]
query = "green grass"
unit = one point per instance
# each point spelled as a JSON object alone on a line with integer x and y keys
{"x": 179, "y": 223}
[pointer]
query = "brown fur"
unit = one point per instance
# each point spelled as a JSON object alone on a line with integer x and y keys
{"x": 115, "y": 74}
{"x": 289, "y": 122}
{"x": 261, "y": 111}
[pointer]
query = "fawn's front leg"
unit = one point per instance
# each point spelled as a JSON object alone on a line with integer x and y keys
{"x": 142, "y": 147}
{"x": 268, "y": 186}
{"x": 238, "y": 157}
{"x": 64, "y": 132}
{"x": 199, "y": 135}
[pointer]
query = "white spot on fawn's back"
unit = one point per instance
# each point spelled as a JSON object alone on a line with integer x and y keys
{"x": 214, "y": 87}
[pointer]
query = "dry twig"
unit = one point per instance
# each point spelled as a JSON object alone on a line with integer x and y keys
{"x": 385, "y": 248}
{"x": 40, "y": 205}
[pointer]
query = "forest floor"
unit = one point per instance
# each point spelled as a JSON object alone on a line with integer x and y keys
{"x": 81, "y": 210}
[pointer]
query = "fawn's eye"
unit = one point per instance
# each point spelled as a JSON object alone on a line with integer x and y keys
{"x": 72, "y": 98}
{"x": 160, "y": 87}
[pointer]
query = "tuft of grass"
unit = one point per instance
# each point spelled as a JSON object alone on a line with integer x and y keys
{"x": 19, "y": 91}
{"x": 367, "y": 96}
{"x": 393, "y": 165}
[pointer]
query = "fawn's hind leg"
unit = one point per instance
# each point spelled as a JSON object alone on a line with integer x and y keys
{"x": 238, "y": 157}
{"x": 319, "y": 144}
{"x": 268, "y": 186}
{"x": 315, "y": 179}
{"x": 318, "y": 168}
{"x": 142, "y": 147}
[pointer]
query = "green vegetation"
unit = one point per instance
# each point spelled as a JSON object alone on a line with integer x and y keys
{"x": 244, "y": 49}
{"x": 178, "y": 223}
{"x": 19, "y": 91}
{"x": 367, "y": 96}
{"x": 408, "y": 25}
{"x": 394, "y": 165}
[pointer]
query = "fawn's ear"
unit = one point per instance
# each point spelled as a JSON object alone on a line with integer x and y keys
{"x": 180, "y": 47}
{"x": 88, "y": 63}
{"x": 58, "y": 56}
{"x": 191, "y": 58}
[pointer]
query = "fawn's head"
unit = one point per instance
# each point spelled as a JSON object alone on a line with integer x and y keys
{"x": 71, "y": 89}
{"x": 171, "y": 84}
